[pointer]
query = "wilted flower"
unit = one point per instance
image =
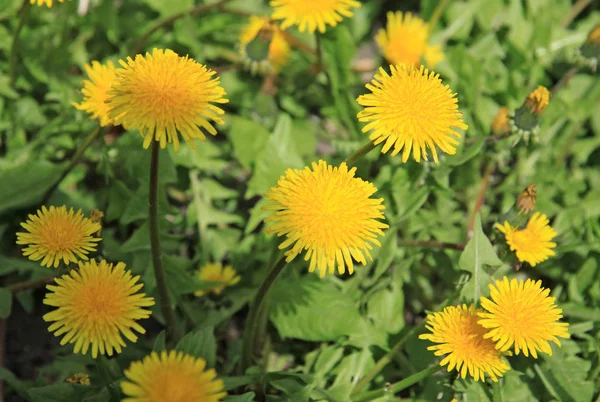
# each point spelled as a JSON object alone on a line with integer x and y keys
{"x": 327, "y": 212}
{"x": 458, "y": 335}
{"x": 312, "y": 14}
{"x": 405, "y": 41}
{"x": 79, "y": 378}
{"x": 164, "y": 95}
{"x": 534, "y": 243}
{"x": 171, "y": 377}
{"x": 411, "y": 110}
{"x": 57, "y": 234}
{"x": 97, "y": 304}
{"x": 521, "y": 313}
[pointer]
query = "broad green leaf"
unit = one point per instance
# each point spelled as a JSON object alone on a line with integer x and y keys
{"x": 477, "y": 253}
{"x": 386, "y": 309}
{"x": 248, "y": 139}
{"x": 5, "y": 303}
{"x": 567, "y": 376}
{"x": 200, "y": 343}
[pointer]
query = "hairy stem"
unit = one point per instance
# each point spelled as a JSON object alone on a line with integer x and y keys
{"x": 255, "y": 315}
{"x": 74, "y": 161}
{"x": 159, "y": 273}
{"x": 15, "y": 43}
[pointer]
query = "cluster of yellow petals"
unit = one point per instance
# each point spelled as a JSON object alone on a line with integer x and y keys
{"x": 327, "y": 212}
{"x": 96, "y": 305}
{"x": 79, "y": 378}
{"x": 538, "y": 100}
{"x": 522, "y": 314}
{"x": 163, "y": 95}
{"x": 171, "y": 376}
{"x": 310, "y": 15}
{"x": 460, "y": 338}
{"x": 534, "y": 243}
{"x": 44, "y": 2}
{"x": 411, "y": 110}
{"x": 58, "y": 234}
{"x": 216, "y": 272}
{"x": 279, "y": 49}
{"x": 404, "y": 40}
{"x": 95, "y": 91}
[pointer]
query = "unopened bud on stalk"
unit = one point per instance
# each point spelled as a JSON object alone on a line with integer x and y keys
{"x": 526, "y": 119}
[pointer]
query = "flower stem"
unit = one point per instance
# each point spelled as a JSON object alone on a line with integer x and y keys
{"x": 397, "y": 387}
{"x": 351, "y": 160}
{"x": 159, "y": 273}
{"x": 31, "y": 284}
{"x": 169, "y": 20}
{"x": 319, "y": 52}
{"x": 74, "y": 161}
{"x": 257, "y": 310}
{"x": 15, "y": 43}
{"x": 105, "y": 374}
{"x": 577, "y": 8}
{"x": 431, "y": 244}
{"x": 437, "y": 14}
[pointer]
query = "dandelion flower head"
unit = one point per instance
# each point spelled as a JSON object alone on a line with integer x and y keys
{"x": 327, "y": 212}
{"x": 163, "y": 95}
{"x": 538, "y": 100}
{"x": 459, "y": 338}
{"x": 95, "y": 91}
{"x": 58, "y": 234}
{"x": 279, "y": 49}
{"x": 171, "y": 377}
{"x": 534, "y": 243}
{"x": 404, "y": 40}
{"x": 411, "y": 110}
{"x": 45, "y": 2}
{"x": 521, "y": 313}
{"x": 216, "y": 272}
{"x": 312, "y": 14}
{"x": 96, "y": 305}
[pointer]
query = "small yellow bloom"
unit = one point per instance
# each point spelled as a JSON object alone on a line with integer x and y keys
{"x": 79, "y": 378}
{"x": 278, "y": 51}
{"x": 458, "y": 335}
{"x": 538, "y": 100}
{"x": 95, "y": 91}
{"x": 405, "y": 41}
{"x": 534, "y": 243}
{"x": 164, "y": 95}
{"x": 312, "y": 14}
{"x": 44, "y": 2}
{"x": 217, "y": 273}
{"x": 521, "y": 313}
{"x": 328, "y": 212}
{"x": 411, "y": 109}
{"x": 56, "y": 234}
{"x": 97, "y": 304}
{"x": 171, "y": 377}
{"x": 501, "y": 122}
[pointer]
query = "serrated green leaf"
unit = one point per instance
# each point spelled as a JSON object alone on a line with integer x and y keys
{"x": 200, "y": 343}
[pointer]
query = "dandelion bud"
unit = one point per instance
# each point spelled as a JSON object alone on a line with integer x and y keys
{"x": 591, "y": 47}
{"x": 263, "y": 49}
{"x": 527, "y": 118}
{"x": 501, "y": 122}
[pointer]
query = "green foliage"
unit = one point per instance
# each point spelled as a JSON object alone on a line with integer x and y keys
{"x": 321, "y": 336}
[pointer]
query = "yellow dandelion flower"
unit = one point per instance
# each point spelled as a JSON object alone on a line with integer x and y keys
{"x": 326, "y": 211}
{"x": 171, "y": 377}
{"x": 534, "y": 243}
{"x": 278, "y": 50}
{"x": 79, "y": 378}
{"x": 57, "y": 234}
{"x": 458, "y": 335}
{"x": 538, "y": 100}
{"x": 164, "y": 95}
{"x": 217, "y": 273}
{"x": 95, "y": 91}
{"x": 521, "y": 313}
{"x": 97, "y": 304}
{"x": 404, "y": 41}
{"x": 501, "y": 122}
{"x": 312, "y": 14}
{"x": 411, "y": 109}
{"x": 45, "y": 2}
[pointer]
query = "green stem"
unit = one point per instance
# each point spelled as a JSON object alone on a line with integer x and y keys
{"x": 319, "y": 52}
{"x": 105, "y": 374}
{"x": 437, "y": 14}
{"x": 397, "y": 387}
{"x": 74, "y": 161}
{"x": 365, "y": 149}
{"x": 577, "y": 8}
{"x": 430, "y": 244}
{"x": 31, "y": 284}
{"x": 13, "y": 50}
{"x": 159, "y": 273}
{"x": 254, "y": 320}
